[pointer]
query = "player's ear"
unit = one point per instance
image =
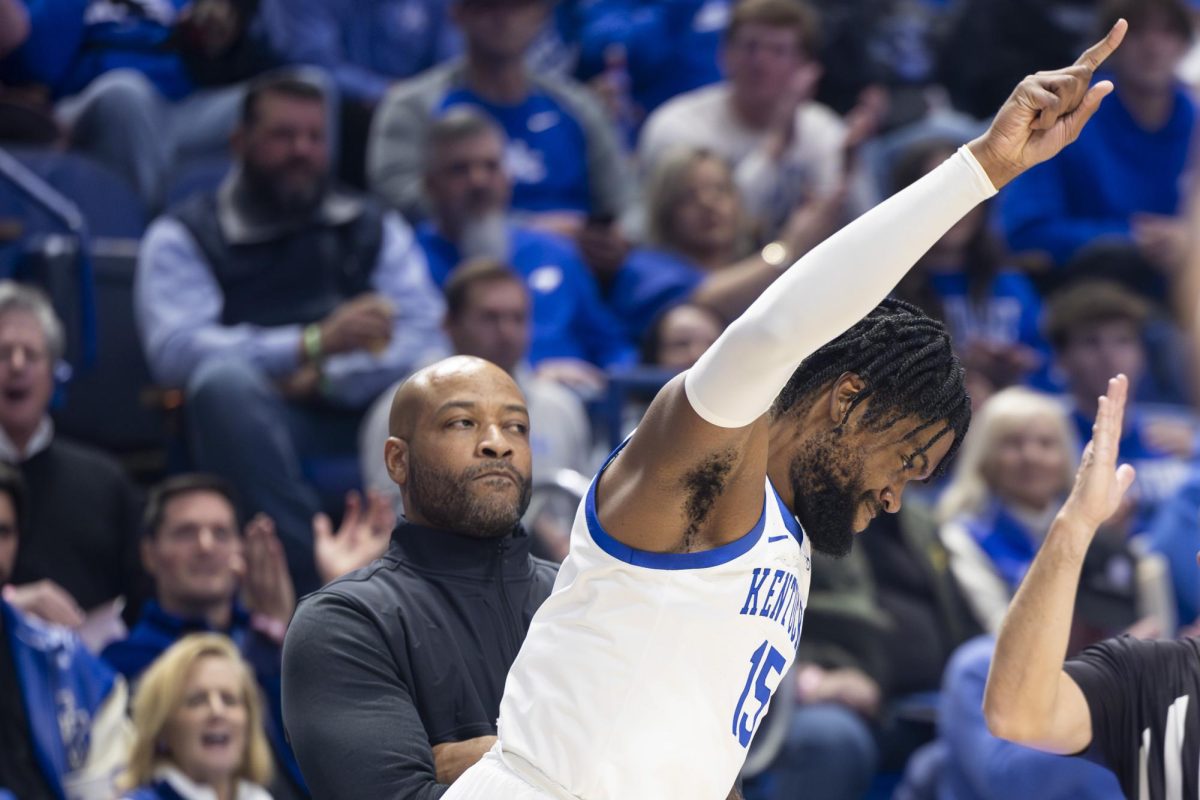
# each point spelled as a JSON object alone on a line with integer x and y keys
{"x": 841, "y": 399}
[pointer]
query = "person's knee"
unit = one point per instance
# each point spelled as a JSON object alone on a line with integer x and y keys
{"x": 122, "y": 94}
{"x": 833, "y": 736}
{"x": 225, "y": 384}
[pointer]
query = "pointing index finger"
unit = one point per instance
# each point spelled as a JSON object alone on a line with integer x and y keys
{"x": 1095, "y": 55}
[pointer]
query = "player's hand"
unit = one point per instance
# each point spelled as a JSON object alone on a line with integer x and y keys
{"x": 1100, "y": 484}
{"x": 452, "y": 759}
{"x": 1045, "y": 113}
{"x": 364, "y": 323}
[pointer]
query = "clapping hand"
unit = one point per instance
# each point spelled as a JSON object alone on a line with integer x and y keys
{"x": 363, "y": 536}
{"x": 267, "y": 587}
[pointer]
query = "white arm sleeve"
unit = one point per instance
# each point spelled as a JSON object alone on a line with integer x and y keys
{"x": 823, "y": 294}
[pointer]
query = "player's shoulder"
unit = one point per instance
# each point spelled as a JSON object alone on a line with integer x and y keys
{"x": 1127, "y": 654}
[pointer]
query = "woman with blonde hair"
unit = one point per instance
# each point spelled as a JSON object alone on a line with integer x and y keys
{"x": 700, "y": 245}
{"x": 1016, "y": 464}
{"x": 199, "y": 726}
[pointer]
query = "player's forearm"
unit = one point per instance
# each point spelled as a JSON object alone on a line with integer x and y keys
{"x": 1022, "y": 689}
{"x": 827, "y": 291}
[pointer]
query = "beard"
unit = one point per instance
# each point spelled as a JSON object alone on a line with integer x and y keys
{"x": 827, "y": 484}
{"x": 271, "y": 192}
{"x": 485, "y": 236}
{"x": 453, "y": 502}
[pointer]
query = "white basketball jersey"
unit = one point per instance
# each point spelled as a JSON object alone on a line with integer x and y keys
{"x": 645, "y": 675}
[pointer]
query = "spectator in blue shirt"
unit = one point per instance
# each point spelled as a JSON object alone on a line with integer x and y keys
{"x": 282, "y": 307}
{"x": 992, "y": 312}
{"x": 193, "y": 549}
{"x": 200, "y": 561}
{"x": 971, "y": 764}
{"x": 1095, "y": 328}
{"x": 468, "y": 190}
{"x": 62, "y": 710}
{"x": 1122, "y": 178}
{"x": 561, "y": 150}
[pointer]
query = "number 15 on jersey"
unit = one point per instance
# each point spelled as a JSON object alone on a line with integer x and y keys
{"x": 766, "y": 670}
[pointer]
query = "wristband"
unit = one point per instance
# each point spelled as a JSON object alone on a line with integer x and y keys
{"x": 312, "y": 342}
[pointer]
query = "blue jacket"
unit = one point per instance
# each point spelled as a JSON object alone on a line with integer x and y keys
{"x": 156, "y": 630}
{"x": 981, "y": 767}
{"x": 64, "y": 688}
{"x": 1090, "y": 190}
{"x": 569, "y": 318}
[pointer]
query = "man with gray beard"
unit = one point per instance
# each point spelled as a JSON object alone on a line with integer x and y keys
{"x": 469, "y": 192}
{"x": 392, "y": 675}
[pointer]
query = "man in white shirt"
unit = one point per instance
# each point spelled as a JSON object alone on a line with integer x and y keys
{"x": 783, "y": 146}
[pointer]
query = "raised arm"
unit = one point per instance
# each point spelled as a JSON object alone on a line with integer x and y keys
{"x": 1029, "y": 698}
{"x": 704, "y": 429}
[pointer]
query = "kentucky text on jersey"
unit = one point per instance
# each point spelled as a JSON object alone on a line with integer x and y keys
{"x": 780, "y": 599}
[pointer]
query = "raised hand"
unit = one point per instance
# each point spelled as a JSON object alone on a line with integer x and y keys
{"x": 1045, "y": 113}
{"x": 362, "y": 537}
{"x": 1100, "y": 483}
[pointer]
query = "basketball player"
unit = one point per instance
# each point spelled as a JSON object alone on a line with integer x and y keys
{"x": 646, "y": 673}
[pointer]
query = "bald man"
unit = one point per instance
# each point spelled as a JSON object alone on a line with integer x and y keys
{"x": 392, "y": 675}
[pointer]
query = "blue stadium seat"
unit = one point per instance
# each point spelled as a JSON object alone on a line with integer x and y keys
{"x": 112, "y": 404}
{"x": 108, "y": 203}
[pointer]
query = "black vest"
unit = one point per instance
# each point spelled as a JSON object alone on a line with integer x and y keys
{"x": 295, "y": 279}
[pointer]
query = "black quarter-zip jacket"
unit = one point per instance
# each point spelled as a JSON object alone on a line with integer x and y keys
{"x": 409, "y": 652}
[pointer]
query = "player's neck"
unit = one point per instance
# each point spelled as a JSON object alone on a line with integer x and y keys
{"x": 786, "y": 434}
{"x": 502, "y": 82}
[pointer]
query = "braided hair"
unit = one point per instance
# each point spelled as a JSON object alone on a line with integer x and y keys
{"x": 909, "y": 367}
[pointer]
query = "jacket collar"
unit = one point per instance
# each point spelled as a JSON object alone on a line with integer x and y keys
{"x": 157, "y": 617}
{"x": 439, "y": 550}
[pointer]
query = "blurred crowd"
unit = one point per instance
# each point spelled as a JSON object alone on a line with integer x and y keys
{"x": 229, "y": 229}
